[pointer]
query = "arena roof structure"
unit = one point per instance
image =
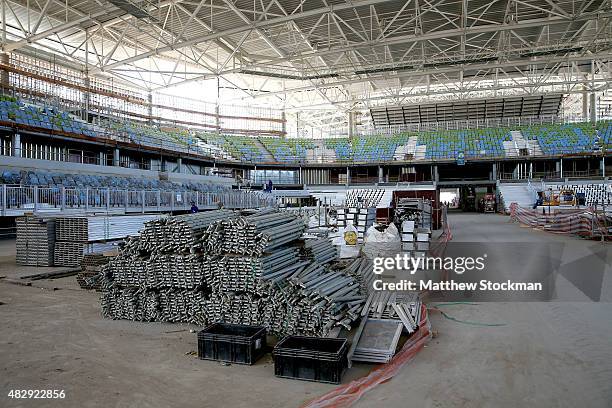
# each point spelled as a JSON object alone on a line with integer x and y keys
{"x": 322, "y": 58}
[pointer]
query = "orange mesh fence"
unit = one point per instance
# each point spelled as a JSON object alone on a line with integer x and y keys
{"x": 348, "y": 394}
{"x": 583, "y": 222}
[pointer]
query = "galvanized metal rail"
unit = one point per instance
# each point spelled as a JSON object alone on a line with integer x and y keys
{"x": 18, "y": 200}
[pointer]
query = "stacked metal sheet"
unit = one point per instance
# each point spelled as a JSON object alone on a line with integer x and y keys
{"x": 68, "y": 253}
{"x": 100, "y": 227}
{"x": 72, "y": 229}
{"x": 76, "y": 235}
{"x": 385, "y": 316}
{"x": 377, "y": 341}
{"x": 195, "y": 281}
{"x": 35, "y": 240}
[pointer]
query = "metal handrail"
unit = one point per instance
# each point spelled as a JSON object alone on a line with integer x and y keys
{"x": 21, "y": 199}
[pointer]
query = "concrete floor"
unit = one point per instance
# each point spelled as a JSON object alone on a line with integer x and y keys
{"x": 556, "y": 354}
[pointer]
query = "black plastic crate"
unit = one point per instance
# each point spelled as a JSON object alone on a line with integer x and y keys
{"x": 233, "y": 343}
{"x": 311, "y": 359}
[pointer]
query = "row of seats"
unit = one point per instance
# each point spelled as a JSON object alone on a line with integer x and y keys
{"x": 51, "y": 179}
{"x": 13, "y": 110}
{"x": 554, "y": 139}
{"x": 288, "y": 150}
{"x": 366, "y": 148}
{"x": 448, "y": 144}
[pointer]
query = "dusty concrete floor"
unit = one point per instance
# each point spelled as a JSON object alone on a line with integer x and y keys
{"x": 556, "y": 354}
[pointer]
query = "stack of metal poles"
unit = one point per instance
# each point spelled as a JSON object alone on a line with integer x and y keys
{"x": 320, "y": 250}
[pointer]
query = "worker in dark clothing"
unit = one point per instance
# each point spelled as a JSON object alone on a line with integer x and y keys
{"x": 194, "y": 208}
{"x": 269, "y": 186}
{"x": 539, "y": 200}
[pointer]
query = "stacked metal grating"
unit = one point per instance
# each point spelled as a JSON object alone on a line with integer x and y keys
{"x": 384, "y": 317}
{"x": 321, "y": 250}
{"x": 74, "y": 235}
{"x": 68, "y": 253}
{"x": 72, "y": 229}
{"x": 196, "y": 282}
{"x": 35, "y": 240}
{"x": 91, "y": 265}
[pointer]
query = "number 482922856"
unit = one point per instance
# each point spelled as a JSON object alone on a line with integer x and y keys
{"x": 37, "y": 394}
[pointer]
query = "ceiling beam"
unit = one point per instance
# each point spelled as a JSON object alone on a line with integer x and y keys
{"x": 246, "y": 27}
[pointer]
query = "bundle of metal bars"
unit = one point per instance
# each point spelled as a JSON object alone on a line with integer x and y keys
{"x": 182, "y": 233}
{"x": 361, "y": 270}
{"x": 404, "y": 307}
{"x": 320, "y": 250}
{"x": 35, "y": 240}
{"x": 254, "y": 234}
{"x": 189, "y": 282}
{"x": 91, "y": 265}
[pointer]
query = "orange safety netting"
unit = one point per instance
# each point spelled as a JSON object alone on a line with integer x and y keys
{"x": 348, "y": 394}
{"x": 584, "y": 222}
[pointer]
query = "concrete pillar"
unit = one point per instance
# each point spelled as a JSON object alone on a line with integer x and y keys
{"x": 4, "y": 75}
{"x": 494, "y": 172}
{"x": 116, "y": 157}
{"x": 593, "y": 107}
{"x": 585, "y": 104}
{"x": 380, "y": 174}
{"x": 348, "y": 176}
{"x": 217, "y": 120}
{"x": 150, "y": 107}
{"x": 593, "y": 94}
{"x": 603, "y": 166}
{"x": 436, "y": 175}
{"x": 179, "y": 165}
{"x": 284, "y": 124}
{"x": 351, "y": 124}
{"x": 561, "y": 168}
{"x": 16, "y": 145}
{"x": 86, "y": 98}
{"x": 102, "y": 159}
